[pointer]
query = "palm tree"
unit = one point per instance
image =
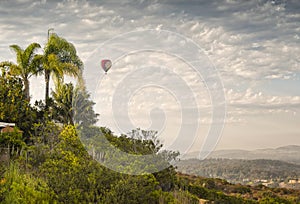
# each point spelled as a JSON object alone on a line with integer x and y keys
{"x": 27, "y": 64}
{"x": 59, "y": 58}
{"x": 72, "y": 105}
{"x": 63, "y": 107}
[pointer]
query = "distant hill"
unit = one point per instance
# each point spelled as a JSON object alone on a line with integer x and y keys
{"x": 242, "y": 171}
{"x": 289, "y": 153}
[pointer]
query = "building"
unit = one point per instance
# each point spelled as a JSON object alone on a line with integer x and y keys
{"x": 6, "y": 127}
{"x": 293, "y": 181}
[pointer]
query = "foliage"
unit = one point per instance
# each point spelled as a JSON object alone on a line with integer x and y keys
{"x": 18, "y": 187}
{"x": 73, "y": 106}
{"x": 216, "y": 196}
{"x": 221, "y": 191}
{"x": 123, "y": 153}
{"x": 12, "y": 139}
{"x": 70, "y": 175}
{"x": 84, "y": 114}
{"x": 27, "y": 64}
{"x": 46, "y": 138}
{"x": 177, "y": 197}
{"x": 62, "y": 168}
{"x": 269, "y": 197}
{"x": 133, "y": 189}
{"x": 63, "y": 103}
{"x": 14, "y": 107}
{"x": 59, "y": 58}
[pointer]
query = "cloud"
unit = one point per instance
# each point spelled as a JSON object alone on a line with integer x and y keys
{"x": 239, "y": 37}
{"x": 252, "y": 97}
{"x": 242, "y": 105}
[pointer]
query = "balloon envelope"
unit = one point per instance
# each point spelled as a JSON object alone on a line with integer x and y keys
{"x": 106, "y": 64}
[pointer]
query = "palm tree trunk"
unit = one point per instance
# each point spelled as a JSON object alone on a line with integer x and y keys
{"x": 47, "y": 80}
{"x": 26, "y": 89}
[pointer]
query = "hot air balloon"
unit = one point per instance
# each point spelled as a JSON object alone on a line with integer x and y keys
{"x": 106, "y": 65}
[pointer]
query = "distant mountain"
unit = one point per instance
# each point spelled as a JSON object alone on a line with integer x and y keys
{"x": 289, "y": 153}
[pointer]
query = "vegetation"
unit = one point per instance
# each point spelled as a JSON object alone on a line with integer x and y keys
{"x": 221, "y": 191}
{"x": 59, "y": 58}
{"x": 27, "y": 64}
{"x": 14, "y": 107}
{"x": 55, "y": 154}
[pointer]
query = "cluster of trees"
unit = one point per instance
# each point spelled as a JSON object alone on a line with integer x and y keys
{"x": 59, "y": 58}
{"x": 51, "y": 156}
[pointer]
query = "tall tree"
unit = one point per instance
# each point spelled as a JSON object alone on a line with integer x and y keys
{"x": 84, "y": 113}
{"x": 73, "y": 105}
{"x": 63, "y": 102}
{"x": 27, "y": 64}
{"x": 60, "y": 58}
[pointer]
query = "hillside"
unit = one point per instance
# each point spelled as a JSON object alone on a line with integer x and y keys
{"x": 221, "y": 191}
{"x": 61, "y": 171}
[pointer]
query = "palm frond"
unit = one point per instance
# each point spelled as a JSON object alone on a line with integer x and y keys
{"x": 19, "y": 52}
{"x": 29, "y": 53}
{"x": 36, "y": 65}
{"x": 70, "y": 69}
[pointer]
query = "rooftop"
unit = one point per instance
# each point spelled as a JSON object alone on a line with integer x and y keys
{"x": 3, "y": 124}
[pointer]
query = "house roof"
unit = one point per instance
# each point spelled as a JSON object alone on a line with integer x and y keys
{"x": 3, "y": 124}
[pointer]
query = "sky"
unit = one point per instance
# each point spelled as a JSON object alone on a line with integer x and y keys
{"x": 219, "y": 74}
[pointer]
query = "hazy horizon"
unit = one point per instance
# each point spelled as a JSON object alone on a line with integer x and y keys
{"x": 252, "y": 149}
